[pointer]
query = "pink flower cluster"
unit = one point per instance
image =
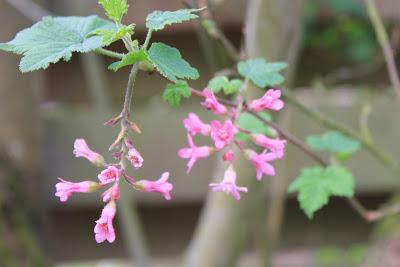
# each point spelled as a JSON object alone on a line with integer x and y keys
{"x": 110, "y": 175}
{"x": 223, "y": 136}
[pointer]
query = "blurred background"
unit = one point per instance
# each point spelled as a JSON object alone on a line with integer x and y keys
{"x": 340, "y": 71}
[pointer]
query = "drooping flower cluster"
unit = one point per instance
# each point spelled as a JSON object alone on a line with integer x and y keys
{"x": 223, "y": 135}
{"x": 110, "y": 175}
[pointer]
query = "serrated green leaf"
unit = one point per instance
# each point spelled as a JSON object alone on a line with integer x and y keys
{"x": 340, "y": 181}
{"x": 111, "y": 36}
{"x": 334, "y": 142}
{"x": 174, "y": 92}
{"x": 169, "y": 63}
{"x": 157, "y": 20}
{"x": 129, "y": 59}
{"x": 233, "y": 86}
{"x": 262, "y": 73}
{"x": 115, "y": 9}
{"x": 316, "y": 185}
{"x": 218, "y": 83}
{"x": 253, "y": 124}
{"x": 53, "y": 39}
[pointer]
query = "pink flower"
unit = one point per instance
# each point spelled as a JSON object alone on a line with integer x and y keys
{"x": 228, "y": 184}
{"x": 211, "y": 103}
{"x": 135, "y": 158}
{"x": 277, "y": 146}
{"x": 104, "y": 229}
{"x": 260, "y": 162}
{"x": 193, "y": 153}
{"x": 109, "y": 175}
{"x": 270, "y": 100}
{"x": 65, "y": 189}
{"x": 81, "y": 149}
{"x": 161, "y": 186}
{"x": 194, "y": 125}
{"x": 222, "y": 134}
{"x": 229, "y": 156}
{"x": 111, "y": 194}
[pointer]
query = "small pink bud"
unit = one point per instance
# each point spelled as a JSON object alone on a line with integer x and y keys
{"x": 112, "y": 193}
{"x": 222, "y": 134}
{"x": 229, "y": 156}
{"x": 210, "y": 102}
{"x": 270, "y": 100}
{"x": 161, "y": 186}
{"x": 260, "y": 163}
{"x": 104, "y": 229}
{"x": 276, "y": 146}
{"x": 194, "y": 125}
{"x": 109, "y": 175}
{"x": 65, "y": 189}
{"x": 228, "y": 184}
{"x": 193, "y": 153}
{"x": 81, "y": 149}
{"x": 135, "y": 158}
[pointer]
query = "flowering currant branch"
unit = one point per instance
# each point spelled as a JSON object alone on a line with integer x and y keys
{"x": 367, "y": 215}
{"x": 224, "y": 135}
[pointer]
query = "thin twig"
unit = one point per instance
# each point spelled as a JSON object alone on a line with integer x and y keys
{"x": 335, "y": 125}
{"x": 291, "y": 138}
{"x": 384, "y": 42}
{"x": 214, "y": 31}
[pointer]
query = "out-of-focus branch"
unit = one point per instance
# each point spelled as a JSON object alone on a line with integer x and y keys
{"x": 213, "y": 30}
{"x": 29, "y": 9}
{"x": 384, "y": 42}
{"x": 335, "y": 125}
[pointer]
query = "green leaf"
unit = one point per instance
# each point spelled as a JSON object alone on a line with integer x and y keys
{"x": 129, "y": 59}
{"x": 262, "y": 73}
{"x": 174, "y": 92}
{"x": 253, "y": 124}
{"x": 53, "y": 39}
{"x": 316, "y": 185}
{"x": 157, "y": 20}
{"x": 218, "y": 83}
{"x": 233, "y": 86}
{"x": 115, "y": 9}
{"x": 111, "y": 36}
{"x": 169, "y": 63}
{"x": 334, "y": 142}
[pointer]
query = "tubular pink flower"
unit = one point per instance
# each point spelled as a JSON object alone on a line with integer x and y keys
{"x": 228, "y": 184}
{"x": 260, "y": 162}
{"x": 194, "y": 125}
{"x": 270, "y": 100}
{"x": 111, "y": 194}
{"x": 277, "y": 146}
{"x": 211, "y": 103}
{"x": 65, "y": 189}
{"x": 81, "y": 149}
{"x": 193, "y": 153}
{"x": 135, "y": 158}
{"x": 229, "y": 156}
{"x": 104, "y": 229}
{"x": 222, "y": 134}
{"x": 161, "y": 186}
{"x": 109, "y": 175}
